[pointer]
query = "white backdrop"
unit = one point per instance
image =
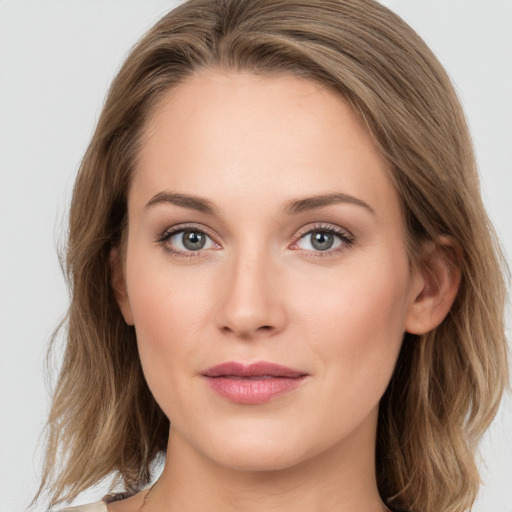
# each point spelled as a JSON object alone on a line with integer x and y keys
{"x": 56, "y": 61}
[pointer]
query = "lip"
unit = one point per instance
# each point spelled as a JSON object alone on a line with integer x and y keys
{"x": 254, "y": 383}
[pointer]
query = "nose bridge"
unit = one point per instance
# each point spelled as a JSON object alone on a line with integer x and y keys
{"x": 251, "y": 303}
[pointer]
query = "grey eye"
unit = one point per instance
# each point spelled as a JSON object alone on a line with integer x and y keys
{"x": 189, "y": 240}
{"x": 193, "y": 240}
{"x": 321, "y": 240}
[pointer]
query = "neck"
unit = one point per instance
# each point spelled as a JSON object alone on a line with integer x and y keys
{"x": 341, "y": 479}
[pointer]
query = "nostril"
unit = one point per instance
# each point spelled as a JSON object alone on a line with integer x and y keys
{"x": 249, "y": 332}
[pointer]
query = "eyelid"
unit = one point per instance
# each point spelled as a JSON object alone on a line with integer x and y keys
{"x": 165, "y": 235}
{"x": 347, "y": 238}
{"x": 187, "y": 226}
{"x": 322, "y": 226}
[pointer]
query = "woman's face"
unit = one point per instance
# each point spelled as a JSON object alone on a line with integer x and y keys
{"x": 264, "y": 228}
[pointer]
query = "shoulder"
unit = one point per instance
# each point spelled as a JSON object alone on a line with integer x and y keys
{"x": 127, "y": 497}
{"x": 100, "y": 506}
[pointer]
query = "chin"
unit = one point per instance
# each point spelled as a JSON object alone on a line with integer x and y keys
{"x": 258, "y": 460}
{"x": 250, "y": 451}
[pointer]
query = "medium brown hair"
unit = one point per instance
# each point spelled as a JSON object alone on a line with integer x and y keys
{"x": 447, "y": 383}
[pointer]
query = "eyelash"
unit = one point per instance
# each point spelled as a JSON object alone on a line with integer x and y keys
{"x": 168, "y": 233}
{"x": 347, "y": 239}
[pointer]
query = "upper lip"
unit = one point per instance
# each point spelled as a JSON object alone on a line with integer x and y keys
{"x": 259, "y": 369}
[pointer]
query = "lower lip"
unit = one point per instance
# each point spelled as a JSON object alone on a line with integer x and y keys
{"x": 253, "y": 391}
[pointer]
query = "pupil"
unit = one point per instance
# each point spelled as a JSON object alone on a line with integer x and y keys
{"x": 321, "y": 240}
{"x": 193, "y": 240}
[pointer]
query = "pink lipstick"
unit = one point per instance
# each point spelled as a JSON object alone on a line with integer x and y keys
{"x": 252, "y": 384}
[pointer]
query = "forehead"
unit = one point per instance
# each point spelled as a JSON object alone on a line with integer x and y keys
{"x": 240, "y": 136}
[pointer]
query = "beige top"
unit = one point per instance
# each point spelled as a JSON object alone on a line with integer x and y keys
{"x": 100, "y": 506}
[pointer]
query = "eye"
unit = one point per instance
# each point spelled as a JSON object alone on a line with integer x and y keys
{"x": 326, "y": 239}
{"x": 187, "y": 240}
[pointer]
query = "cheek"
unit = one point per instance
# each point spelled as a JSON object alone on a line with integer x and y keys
{"x": 356, "y": 321}
{"x": 164, "y": 297}
{"x": 169, "y": 309}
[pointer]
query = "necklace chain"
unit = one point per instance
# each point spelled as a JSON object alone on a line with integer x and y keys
{"x": 145, "y": 500}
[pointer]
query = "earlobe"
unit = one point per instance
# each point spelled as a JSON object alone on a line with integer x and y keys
{"x": 118, "y": 284}
{"x": 435, "y": 286}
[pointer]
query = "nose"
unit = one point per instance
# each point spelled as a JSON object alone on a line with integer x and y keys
{"x": 251, "y": 298}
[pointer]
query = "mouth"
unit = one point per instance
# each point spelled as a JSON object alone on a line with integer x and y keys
{"x": 252, "y": 384}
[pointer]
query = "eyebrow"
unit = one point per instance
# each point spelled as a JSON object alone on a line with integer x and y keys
{"x": 293, "y": 207}
{"x": 310, "y": 203}
{"x": 183, "y": 200}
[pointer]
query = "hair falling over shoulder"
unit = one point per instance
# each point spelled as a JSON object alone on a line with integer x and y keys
{"x": 447, "y": 384}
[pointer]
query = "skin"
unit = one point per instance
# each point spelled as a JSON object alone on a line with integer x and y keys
{"x": 260, "y": 291}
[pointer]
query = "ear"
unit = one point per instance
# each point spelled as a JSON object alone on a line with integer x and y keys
{"x": 435, "y": 286}
{"x": 118, "y": 284}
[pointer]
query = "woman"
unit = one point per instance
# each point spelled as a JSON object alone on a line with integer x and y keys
{"x": 282, "y": 274}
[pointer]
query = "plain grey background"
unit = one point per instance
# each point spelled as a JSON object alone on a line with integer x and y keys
{"x": 57, "y": 58}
